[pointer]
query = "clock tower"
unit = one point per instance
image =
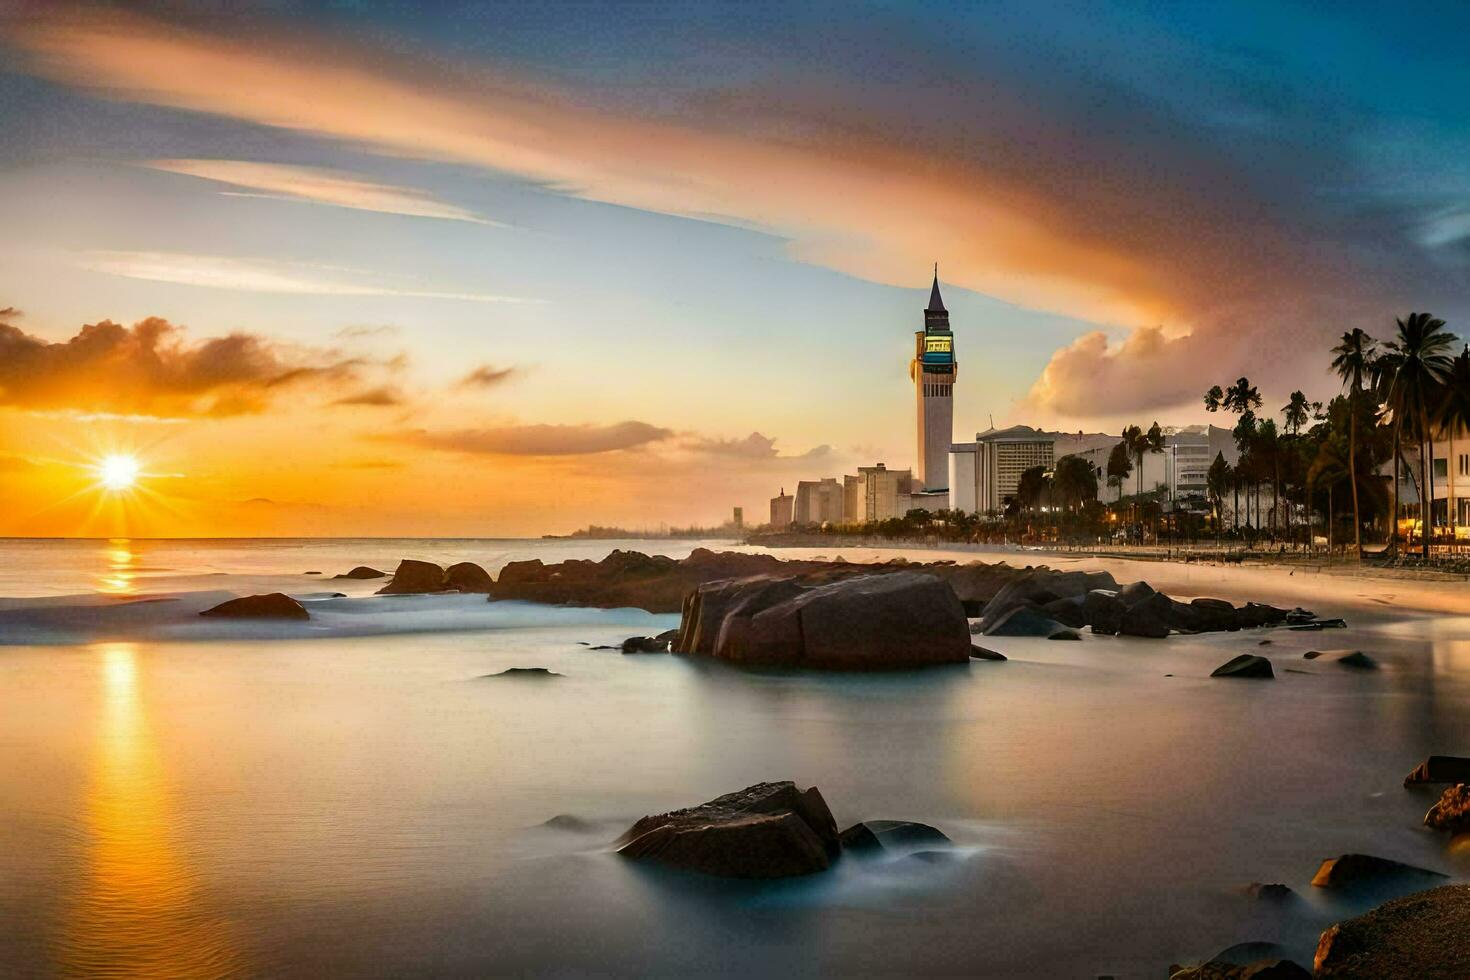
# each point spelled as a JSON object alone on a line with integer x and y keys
{"x": 933, "y": 372}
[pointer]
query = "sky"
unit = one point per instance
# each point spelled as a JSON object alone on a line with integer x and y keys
{"x": 510, "y": 269}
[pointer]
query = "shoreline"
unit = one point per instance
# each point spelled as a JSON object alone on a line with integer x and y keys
{"x": 1331, "y": 587}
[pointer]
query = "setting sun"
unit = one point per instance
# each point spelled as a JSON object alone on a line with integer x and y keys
{"x": 119, "y": 472}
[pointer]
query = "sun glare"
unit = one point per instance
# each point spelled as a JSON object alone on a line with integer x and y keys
{"x": 118, "y": 472}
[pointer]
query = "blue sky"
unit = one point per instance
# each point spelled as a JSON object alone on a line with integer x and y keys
{"x": 718, "y": 219}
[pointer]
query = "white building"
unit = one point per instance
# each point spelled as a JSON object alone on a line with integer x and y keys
{"x": 983, "y": 474}
{"x": 877, "y": 493}
{"x": 818, "y": 501}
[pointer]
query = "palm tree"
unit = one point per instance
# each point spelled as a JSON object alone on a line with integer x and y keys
{"x": 1353, "y": 362}
{"x": 1417, "y": 362}
{"x": 1452, "y": 414}
{"x": 1215, "y": 480}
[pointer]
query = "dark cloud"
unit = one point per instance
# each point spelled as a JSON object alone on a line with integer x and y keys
{"x": 152, "y": 368}
{"x": 753, "y": 447}
{"x": 541, "y": 440}
{"x": 486, "y": 376}
{"x": 379, "y": 397}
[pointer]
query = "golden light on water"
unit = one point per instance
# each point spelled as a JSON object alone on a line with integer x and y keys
{"x": 139, "y": 911}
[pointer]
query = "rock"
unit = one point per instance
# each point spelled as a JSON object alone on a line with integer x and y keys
{"x": 1144, "y": 617}
{"x": 769, "y": 830}
{"x": 362, "y": 571}
{"x": 1068, "y": 611}
{"x": 1298, "y": 616}
{"x": 466, "y": 576}
{"x": 569, "y": 823}
{"x": 273, "y": 605}
{"x": 1103, "y": 611}
{"x": 414, "y": 577}
{"x": 1440, "y": 769}
{"x": 1245, "y": 665}
{"x": 1269, "y": 892}
{"x": 859, "y": 838}
{"x": 1264, "y": 643}
{"x": 645, "y": 644}
{"x": 1356, "y": 870}
{"x": 1424, "y": 936}
{"x": 980, "y": 653}
{"x": 1357, "y": 660}
{"x": 1311, "y": 654}
{"x": 529, "y": 673}
{"x": 1213, "y": 615}
{"x": 1023, "y": 621}
{"x": 904, "y": 833}
{"x": 866, "y": 622}
{"x": 311, "y": 573}
{"x": 1266, "y": 969}
{"x": 1065, "y": 634}
{"x": 1135, "y": 592}
{"x": 1452, "y": 812}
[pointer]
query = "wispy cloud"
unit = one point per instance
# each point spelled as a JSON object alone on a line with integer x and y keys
{"x": 382, "y": 396}
{"x": 540, "y": 439}
{"x": 486, "y": 376}
{"x": 754, "y": 447}
{"x": 318, "y": 185}
{"x": 263, "y": 276}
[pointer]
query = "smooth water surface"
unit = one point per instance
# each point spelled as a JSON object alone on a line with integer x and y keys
{"x": 355, "y": 795}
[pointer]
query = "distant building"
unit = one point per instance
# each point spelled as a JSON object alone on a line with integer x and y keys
{"x": 737, "y": 520}
{"x": 818, "y": 501}
{"x": 984, "y": 473}
{"x": 933, "y": 371}
{"x": 781, "y": 510}
{"x": 877, "y": 493}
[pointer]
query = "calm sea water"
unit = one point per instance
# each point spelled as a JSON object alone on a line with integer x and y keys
{"x": 354, "y": 796}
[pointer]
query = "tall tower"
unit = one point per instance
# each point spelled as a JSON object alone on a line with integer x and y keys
{"x": 933, "y": 371}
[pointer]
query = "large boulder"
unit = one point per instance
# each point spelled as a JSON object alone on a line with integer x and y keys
{"x": 866, "y": 622}
{"x": 1103, "y": 611}
{"x": 414, "y": 576}
{"x": 363, "y": 572}
{"x": 1425, "y": 936}
{"x": 466, "y": 576}
{"x": 1135, "y": 592}
{"x": 1349, "y": 871}
{"x": 1213, "y": 615}
{"x": 1068, "y": 611}
{"x": 1146, "y": 616}
{"x": 273, "y": 605}
{"x": 892, "y": 834}
{"x": 1440, "y": 769}
{"x": 1024, "y": 621}
{"x": 1245, "y": 665}
{"x": 769, "y": 830}
{"x": 1452, "y": 811}
{"x": 1041, "y": 587}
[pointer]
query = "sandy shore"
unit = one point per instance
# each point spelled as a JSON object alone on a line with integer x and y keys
{"x": 1333, "y": 589}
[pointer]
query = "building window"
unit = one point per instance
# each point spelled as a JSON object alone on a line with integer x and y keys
{"x": 1441, "y": 469}
{"x": 1465, "y": 464}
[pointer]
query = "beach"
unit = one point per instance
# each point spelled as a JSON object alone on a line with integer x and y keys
{"x": 356, "y": 795}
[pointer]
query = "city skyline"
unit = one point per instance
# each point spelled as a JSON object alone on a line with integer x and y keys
{"x": 350, "y": 272}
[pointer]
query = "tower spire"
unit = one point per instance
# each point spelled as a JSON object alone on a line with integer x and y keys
{"x": 936, "y": 302}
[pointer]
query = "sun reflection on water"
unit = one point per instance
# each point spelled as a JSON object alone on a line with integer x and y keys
{"x": 121, "y": 568}
{"x": 139, "y": 911}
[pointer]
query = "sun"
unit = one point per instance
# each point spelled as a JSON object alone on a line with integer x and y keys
{"x": 118, "y": 472}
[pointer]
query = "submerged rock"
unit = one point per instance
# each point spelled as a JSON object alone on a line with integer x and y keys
{"x": 1357, "y": 660}
{"x": 899, "y": 833}
{"x": 1452, "y": 811}
{"x": 1245, "y": 665}
{"x": 1356, "y": 870}
{"x": 1273, "y": 892}
{"x": 1023, "y": 621}
{"x": 273, "y": 605}
{"x": 645, "y": 644}
{"x": 529, "y": 673}
{"x": 981, "y": 653}
{"x": 414, "y": 577}
{"x": 1425, "y": 936}
{"x": 769, "y": 830}
{"x": 466, "y": 576}
{"x": 362, "y": 571}
{"x": 1440, "y": 769}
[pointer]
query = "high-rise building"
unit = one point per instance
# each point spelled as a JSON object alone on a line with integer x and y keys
{"x": 781, "y": 510}
{"x": 737, "y": 520}
{"x": 883, "y": 493}
{"x": 818, "y": 501}
{"x": 933, "y": 372}
{"x": 985, "y": 472}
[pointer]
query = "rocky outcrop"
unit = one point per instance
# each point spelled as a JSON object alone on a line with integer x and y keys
{"x": 362, "y": 571}
{"x": 864, "y": 622}
{"x": 1245, "y": 665}
{"x": 1350, "y": 871}
{"x": 1440, "y": 769}
{"x": 1452, "y": 811}
{"x": 1425, "y": 936}
{"x": 415, "y": 577}
{"x": 466, "y": 576}
{"x": 769, "y": 830}
{"x": 273, "y": 605}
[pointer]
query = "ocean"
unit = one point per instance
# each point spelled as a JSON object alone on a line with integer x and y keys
{"x": 356, "y": 796}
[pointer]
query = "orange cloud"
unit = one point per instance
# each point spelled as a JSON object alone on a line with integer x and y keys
{"x": 540, "y": 439}
{"x": 486, "y": 376}
{"x": 150, "y": 368}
